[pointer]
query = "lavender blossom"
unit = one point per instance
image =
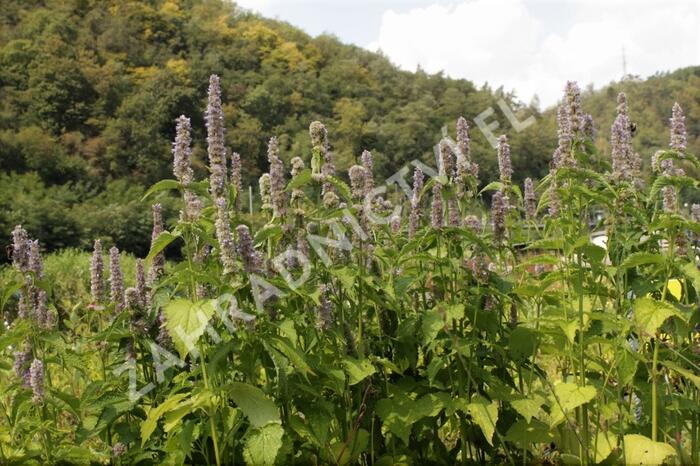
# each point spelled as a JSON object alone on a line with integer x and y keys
{"x": 626, "y": 163}
{"x": 158, "y": 262}
{"x": 182, "y": 151}
{"x": 35, "y": 264}
{"x": 368, "y": 164}
{"x": 277, "y": 185}
{"x": 463, "y": 147}
{"x": 448, "y": 165}
{"x": 324, "y": 318}
{"x": 554, "y": 206}
{"x": 236, "y": 179}
{"x": 116, "y": 279}
{"x": 530, "y": 199}
{"x": 252, "y": 260}
{"x": 395, "y": 224}
{"x": 436, "y": 213}
{"x": 414, "y": 217}
{"x": 669, "y": 198}
{"x": 504, "y": 164}
{"x": 358, "y": 177}
{"x": 224, "y": 237}
{"x": 20, "y": 249}
{"x": 163, "y": 337}
{"x": 473, "y": 223}
{"x": 214, "y": 118}
{"x": 44, "y": 317}
{"x": 22, "y": 362}
{"x": 562, "y": 155}
{"x": 498, "y": 215}
{"x": 573, "y": 103}
{"x": 36, "y": 381}
{"x": 453, "y": 212}
{"x": 141, "y": 290}
{"x": 265, "y": 196}
{"x": 97, "y": 270}
{"x": 679, "y": 138}
{"x": 119, "y": 449}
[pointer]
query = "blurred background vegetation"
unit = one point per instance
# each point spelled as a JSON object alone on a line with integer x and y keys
{"x": 90, "y": 89}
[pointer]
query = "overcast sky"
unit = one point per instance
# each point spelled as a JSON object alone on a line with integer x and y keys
{"x": 528, "y": 46}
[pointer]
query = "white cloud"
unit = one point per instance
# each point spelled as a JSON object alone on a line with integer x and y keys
{"x": 504, "y": 42}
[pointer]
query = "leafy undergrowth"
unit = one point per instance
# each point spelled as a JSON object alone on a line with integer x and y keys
{"x": 369, "y": 324}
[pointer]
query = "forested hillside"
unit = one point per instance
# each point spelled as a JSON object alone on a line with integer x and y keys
{"x": 90, "y": 91}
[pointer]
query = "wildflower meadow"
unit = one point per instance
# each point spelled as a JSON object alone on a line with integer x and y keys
{"x": 430, "y": 318}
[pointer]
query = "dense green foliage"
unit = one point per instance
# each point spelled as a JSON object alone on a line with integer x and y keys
{"x": 331, "y": 338}
{"x": 90, "y": 90}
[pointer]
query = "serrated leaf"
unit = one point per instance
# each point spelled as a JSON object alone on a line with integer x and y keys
{"x": 650, "y": 314}
{"x": 605, "y": 443}
{"x": 151, "y": 422}
{"x": 160, "y": 243}
{"x": 262, "y": 445}
{"x": 259, "y": 409}
{"x": 432, "y": 323}
{"x": 524, "y": 433}
{"x": 642, "y": 450}
{"x": 302, "y": 178}
{"x": 572, "y": 396}
{"x": 186, "y": 322}
{"x": 641, "y": 258}
{"x": 358, "y": 370}
{"x": 485, "y": 415}
{"x": 162, "y": 185}
{"x": 528, "y": 407}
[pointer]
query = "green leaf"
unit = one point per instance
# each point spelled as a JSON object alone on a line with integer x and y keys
{"x": 571, "y": 396}
{"x": 528, "y": 407}
{"x": 151, "y": 422}
{"x": 302, "y": 178}
{"x": 642, "y": 450}
{"x": 162, "y": 185}
{"x": 522, "y": 343}
{"x": 432, "y": 324}
{"x": 605, "y": 443}
{"x": 524, "y": 433}
{"x": 259, "y": 409}
{"x": 262, "y": 445}
{"x": 295, "y": 356}
{"x": 485, "y": 415}
{"x": 650, "y": 314}
{"x": 492, "y": 186}
{"x": 160, "y": 243}
{"x": 641, "y": 258}
{"x": 186, "y": 322}
{"x": 691, "y": 271}
{"x": 358, "y": 370}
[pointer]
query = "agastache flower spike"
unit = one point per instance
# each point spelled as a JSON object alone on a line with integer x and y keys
{"x": 277, "y": 186}
{"x": 36, "y": 381}
{"x": 20, "y": 249}
{"x": 436, "y": 212}
{"x": 214, "y": 118}
{"x": 182, "y": 151}
{"x": 573, "y": 102}
{"x": 358, "y": 176}
{"x": 562, "y": 155}
{"x": 116, "y": 279}
{"x": 22, "y": 362}
{"x": 679, "y": 138}
{"x": 224, "y": 237}
{"x": 447, "y": 159}
{"x": 395, "y": 223}
{"x": 463, "y": 140}
{"x": 504, "y": 164}
{"x": 158, "y": 262}
{"x": 252, "y": 260}
{"x": 97, "y": 269}
{"x": 529, "y": 199}
{"x": 498, "y": 215}
{"x": 414, "y": 217}
{"x": 368, "y": 164}
{"x": 35, "y": 263}
{"x": 265, "y": 196}
{"x": 473, "y": 223}
{"x": 453, "y": 212}
{"x": 324, "y": 319}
